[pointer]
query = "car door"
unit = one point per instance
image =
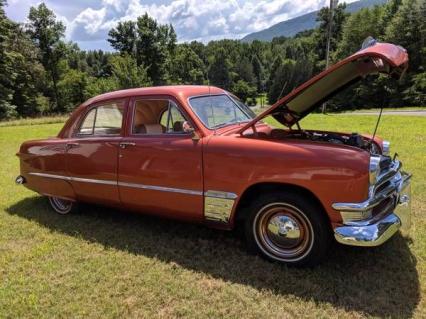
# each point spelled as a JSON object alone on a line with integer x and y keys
{"x": 160, "y": 164}
{"x": 92, "y": 153}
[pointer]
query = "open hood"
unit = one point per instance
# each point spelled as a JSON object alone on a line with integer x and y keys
{"x": 377, "y": 57}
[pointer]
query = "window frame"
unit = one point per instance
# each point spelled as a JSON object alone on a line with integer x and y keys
{"x": 77, "y": 134}
{"x": 165, "y": 134}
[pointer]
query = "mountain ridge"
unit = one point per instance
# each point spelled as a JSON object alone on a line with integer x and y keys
{"x": 291, "y": 27}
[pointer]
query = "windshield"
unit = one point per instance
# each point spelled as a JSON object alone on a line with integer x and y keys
{"x": 220, "y": 110}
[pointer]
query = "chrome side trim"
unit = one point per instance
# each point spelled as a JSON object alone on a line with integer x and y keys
{"x": 76, "y": 179}
{"x": 115, "y": 183}
{"x": 220, "y": 194}
{"x": 161, "y": 188}
{"x": 218, "y": 205}
{"x": 51, "y": 176}
{"x": 94, "y": 181}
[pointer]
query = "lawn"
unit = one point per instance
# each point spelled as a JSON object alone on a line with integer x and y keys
{"x": 106, "y": 263}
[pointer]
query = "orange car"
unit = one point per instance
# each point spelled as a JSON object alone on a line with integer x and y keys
{"x": 197, "y": 153}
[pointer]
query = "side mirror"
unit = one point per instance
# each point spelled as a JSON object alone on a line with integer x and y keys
{"x": 188, "y": 128}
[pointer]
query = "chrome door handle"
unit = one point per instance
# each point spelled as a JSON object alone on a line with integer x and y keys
{"x": 125, "y": 144}
{"x": 72, "y": 145}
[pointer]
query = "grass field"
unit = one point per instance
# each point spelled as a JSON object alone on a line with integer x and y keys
{"x": 105, "y": 263}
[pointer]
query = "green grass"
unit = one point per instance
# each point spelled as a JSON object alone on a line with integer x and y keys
{"x": 106, "y": 263}
{"x": 35, "y": 121}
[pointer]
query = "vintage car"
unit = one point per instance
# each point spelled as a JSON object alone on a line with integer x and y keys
{"x": 197, "y": 153}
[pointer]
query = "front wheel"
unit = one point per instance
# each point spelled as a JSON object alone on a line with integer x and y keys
{"x": 62, "y": 206}
{"x": 288, "y": 228}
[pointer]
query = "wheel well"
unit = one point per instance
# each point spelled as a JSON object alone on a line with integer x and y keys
{"x": 257, "y": 189}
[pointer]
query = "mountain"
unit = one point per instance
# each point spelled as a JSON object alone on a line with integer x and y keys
{"x": 307, "y": 21}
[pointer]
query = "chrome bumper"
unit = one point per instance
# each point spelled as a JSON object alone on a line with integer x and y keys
{"x": 380, "y": 228}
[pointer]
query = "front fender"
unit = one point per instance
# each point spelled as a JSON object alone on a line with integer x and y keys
{"x": 330, "y": 172}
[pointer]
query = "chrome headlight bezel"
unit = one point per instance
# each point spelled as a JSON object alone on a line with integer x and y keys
{"x": 374, "y": 169}
{"x": 386, "y": 148}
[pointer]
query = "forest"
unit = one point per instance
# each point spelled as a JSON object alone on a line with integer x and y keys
{"x": 41, "y": 73}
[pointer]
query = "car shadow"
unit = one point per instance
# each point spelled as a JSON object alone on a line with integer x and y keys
{"x": 380, "y": 282}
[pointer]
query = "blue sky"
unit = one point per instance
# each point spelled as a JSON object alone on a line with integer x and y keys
{"x": 88, "y": 21}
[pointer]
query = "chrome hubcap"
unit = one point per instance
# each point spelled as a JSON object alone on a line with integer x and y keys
{"x": 283, "y": 232}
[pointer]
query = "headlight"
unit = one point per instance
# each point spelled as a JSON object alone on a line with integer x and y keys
{"x": 386, "y": 148}
{"x": 374, "y": 169}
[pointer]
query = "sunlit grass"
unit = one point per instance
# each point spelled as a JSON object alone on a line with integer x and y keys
{"x": 106, "y": 263}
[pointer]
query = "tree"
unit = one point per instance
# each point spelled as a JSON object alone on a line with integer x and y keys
{"x": 186, "y": 66}
{"x": 288, "y": 76}
{"x": 219, "y": 71}
{"x": 46, "y": 33}
{"x": 152, "y": 45}
{"x": 127, "y": 74}
{"x": 405, "y": 29}
{"x": 6, "y": 67}
{"x": 357, "y": 28}
{"x": 244, "y": 69}
{"x": 323, "y": 17}
{"x": 244, "y": 90}
{"x": 123, "y": 37}
{"x": 258, "y": 73}
{"x": 73, "y": 88}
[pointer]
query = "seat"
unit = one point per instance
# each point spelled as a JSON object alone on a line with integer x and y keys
{"x": 146, "y": 116}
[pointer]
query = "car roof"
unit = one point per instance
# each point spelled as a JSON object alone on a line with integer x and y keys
{"x": 182, "y": 91}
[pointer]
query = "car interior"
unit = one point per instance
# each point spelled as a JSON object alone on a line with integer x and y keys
{"x": 157, "y": 117}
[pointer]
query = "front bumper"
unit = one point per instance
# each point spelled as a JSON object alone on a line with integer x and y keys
{"x": 380, "y": 228}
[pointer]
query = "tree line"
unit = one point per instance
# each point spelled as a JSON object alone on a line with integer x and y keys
{"x": 41, "y": 73}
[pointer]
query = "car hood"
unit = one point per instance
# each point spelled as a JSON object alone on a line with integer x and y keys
{"x": 379, "y": 57}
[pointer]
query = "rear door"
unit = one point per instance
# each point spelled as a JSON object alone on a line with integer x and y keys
{"x": 92, "y": 154}
{"x": 160, "y": 164}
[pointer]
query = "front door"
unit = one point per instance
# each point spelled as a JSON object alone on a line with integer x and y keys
{"x": 92, "y": 154}
{"x": 160, "y": 165}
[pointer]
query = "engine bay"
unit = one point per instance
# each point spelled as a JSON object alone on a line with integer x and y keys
{"x": 354, "y": 139}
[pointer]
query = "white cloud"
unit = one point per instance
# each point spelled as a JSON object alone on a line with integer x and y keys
{"x": 192, "y": 19}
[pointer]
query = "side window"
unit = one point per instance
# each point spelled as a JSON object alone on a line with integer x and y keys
{"x": 103, "y": 120}
{"x": 86, "y": 127}
{"x": 158, "y": 117}
{"x": 172, "y": 119}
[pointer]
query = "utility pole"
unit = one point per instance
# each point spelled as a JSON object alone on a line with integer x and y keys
{"x": 333, "y": 4}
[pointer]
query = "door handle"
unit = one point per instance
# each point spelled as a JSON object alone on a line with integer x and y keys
{"x": 125, "y": 144}
{"x": 72, "y": 145}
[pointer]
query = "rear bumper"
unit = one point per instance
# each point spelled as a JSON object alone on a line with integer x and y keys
{"x": 379, "y": 229}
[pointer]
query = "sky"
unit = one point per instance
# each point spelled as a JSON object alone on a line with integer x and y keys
{"x": 88, "y": 21}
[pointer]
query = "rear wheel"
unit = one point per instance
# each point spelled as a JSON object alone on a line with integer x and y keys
{"x": 287, "y": 227}
{"x": 61, "y": 206}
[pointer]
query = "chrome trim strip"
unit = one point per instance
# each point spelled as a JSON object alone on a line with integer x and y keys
{"x": 94, "y": 181}
{"x": 220, "y": 194}
{"x": 76, "y": 179}
{"x": 110, "y": 182}
{"x": 51, "y": 176}
{"x": 161, "y": 188}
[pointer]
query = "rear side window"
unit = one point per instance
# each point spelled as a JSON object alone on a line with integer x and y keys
{"x": 103, "y": 120}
